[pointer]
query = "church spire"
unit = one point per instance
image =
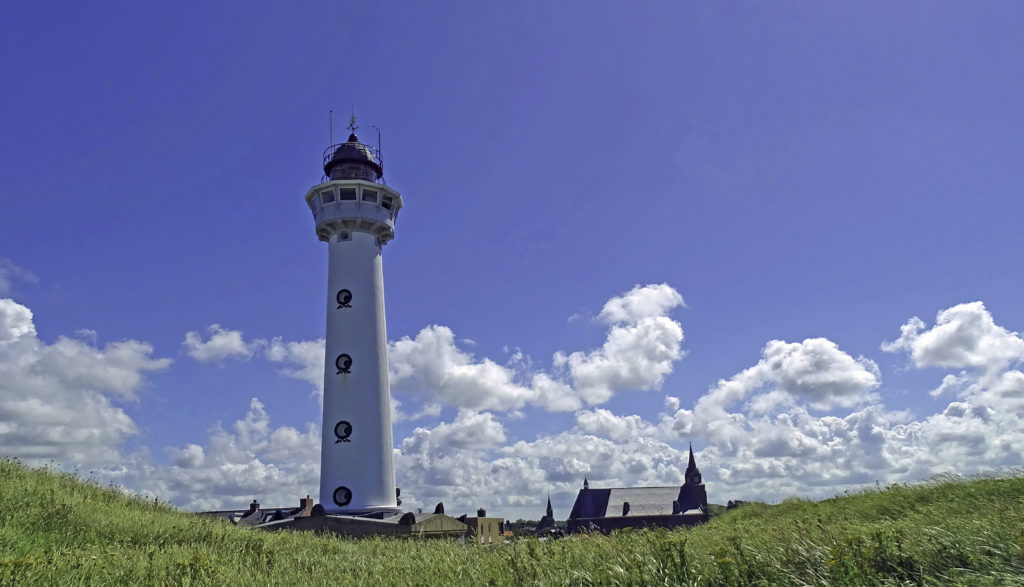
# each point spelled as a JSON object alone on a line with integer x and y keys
{"x": 586, "y": 484}
{"x": 692, "y": 475}
{"x": 550, "y": 512}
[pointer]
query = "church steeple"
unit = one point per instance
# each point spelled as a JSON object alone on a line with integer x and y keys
{"x": 692, "y": 476}
{"x": 692, "y": 494}
{"x": 586, "y": 484}
{"x": 550, "y": 512}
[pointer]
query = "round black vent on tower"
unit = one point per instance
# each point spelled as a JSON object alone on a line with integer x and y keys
{"x": 343, "y": 363}
{"x": 343, "y": 496}
{"x": 343, "y": 298}
{"x": 342, "y": 430}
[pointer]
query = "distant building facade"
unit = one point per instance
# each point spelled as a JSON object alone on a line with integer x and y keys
{"x": 610, "y": 509}
{"x": 484, "y": 530}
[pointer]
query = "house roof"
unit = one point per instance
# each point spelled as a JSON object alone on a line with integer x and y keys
{"x": 643, "y": 501}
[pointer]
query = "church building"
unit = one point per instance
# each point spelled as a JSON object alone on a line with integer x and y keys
{"x": 547, "y": 523}
{"x": 605, "y": 510}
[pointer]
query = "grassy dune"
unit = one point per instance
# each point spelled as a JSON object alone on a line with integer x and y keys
{"x": 55, "y": 529}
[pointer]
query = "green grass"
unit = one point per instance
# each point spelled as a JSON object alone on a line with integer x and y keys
{"x": 57, "y": 530}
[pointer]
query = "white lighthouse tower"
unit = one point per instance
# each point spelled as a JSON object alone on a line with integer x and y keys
{"x": 355, "y": 215}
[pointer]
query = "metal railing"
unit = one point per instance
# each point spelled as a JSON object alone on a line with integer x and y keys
{"x": 375, "y": 152}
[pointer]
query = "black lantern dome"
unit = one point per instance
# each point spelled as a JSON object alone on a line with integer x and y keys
{"x": 352, "y": 160}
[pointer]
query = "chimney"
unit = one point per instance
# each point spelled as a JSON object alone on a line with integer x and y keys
{"x": 481, "y": 513}
{"x": 305, "y": 507}
{"x": 254, "y": 506}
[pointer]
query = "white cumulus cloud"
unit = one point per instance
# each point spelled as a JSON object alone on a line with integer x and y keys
{"x": 15, "y": 321}
{"x": 515, "y": 478}
{"x": 432, "y": 361}
{"x": 58, "y": 401}
{"x": 636, "y": 355}
{"x": 641, "y": 348}
{"x": 964, "y": 336}
{"x": 221, "y": 345}
{"x": 643, "y": 301}
{"x": 251, "y": 460}
{"x": 814, "y": 372}
{"x": 306, "y": 359}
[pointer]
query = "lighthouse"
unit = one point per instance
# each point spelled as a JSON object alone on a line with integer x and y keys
{"x": 355, "y": 215}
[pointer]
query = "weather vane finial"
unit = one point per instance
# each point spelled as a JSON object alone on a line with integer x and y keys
{"x": 352, "y": 121}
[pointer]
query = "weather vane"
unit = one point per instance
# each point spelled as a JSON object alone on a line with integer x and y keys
{"x": 352, "y": 122}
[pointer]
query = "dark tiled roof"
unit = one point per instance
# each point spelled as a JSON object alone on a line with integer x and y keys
{"x": 590, "y": 503}
{"x": 643, "y": 501}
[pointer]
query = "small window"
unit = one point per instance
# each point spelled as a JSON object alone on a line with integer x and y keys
{"x": 327, "y": 197}
{"x": 347, "y": 194}
{"x": 369, "y": 195}
{"x": 388, "y": 202}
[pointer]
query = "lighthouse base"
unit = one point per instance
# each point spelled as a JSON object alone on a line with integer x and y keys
{"x": 378, "y": 513}
{"x": 399, "y": 524}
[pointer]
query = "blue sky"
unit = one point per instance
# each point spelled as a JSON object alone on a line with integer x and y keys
{"x": 806, "y": 173}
